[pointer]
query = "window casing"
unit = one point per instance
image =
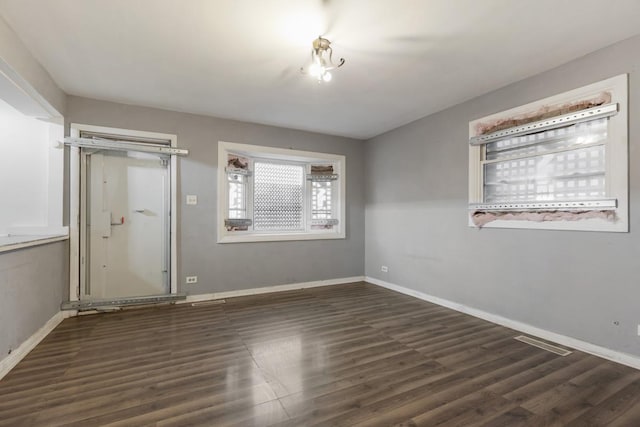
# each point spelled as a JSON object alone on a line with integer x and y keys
{"x": 270, "y": 194}
{"x": 568, "y": 161}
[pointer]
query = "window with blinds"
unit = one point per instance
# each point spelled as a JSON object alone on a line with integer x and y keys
{"x": 274, "y": 194}
{"x": 559, "y": 163}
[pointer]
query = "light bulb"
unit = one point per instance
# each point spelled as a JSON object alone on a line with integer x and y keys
{"x": 326, "y": 77}
{"x": 315, "y": 70}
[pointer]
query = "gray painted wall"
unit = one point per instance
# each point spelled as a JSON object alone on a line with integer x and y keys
{"x": 226, "y": 267}
{"x": 14, "y": 53}
{"x": 32, "y": 284}
{"x": 574, "y": 283}
{"x": 32, "y": 280}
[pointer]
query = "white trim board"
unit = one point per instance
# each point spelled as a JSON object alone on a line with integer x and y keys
{"x": 9, "y": 362}
{"x": 12, "y": 243}
{"x": 586, "y": 347}
{"x": 269, "y": 289}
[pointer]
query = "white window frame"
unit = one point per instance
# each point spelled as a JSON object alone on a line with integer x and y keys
{"x": 616, "y": 159}
{"x": 279, "y": 155}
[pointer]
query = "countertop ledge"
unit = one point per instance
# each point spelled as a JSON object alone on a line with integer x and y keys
{"x": 13, "y": 242}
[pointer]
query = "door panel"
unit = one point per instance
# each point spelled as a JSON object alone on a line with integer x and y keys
{"x": 127, "y": 225}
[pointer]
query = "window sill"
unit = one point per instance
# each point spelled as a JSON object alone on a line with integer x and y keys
{"x": 14, "y": 242}
{"x": 253, "y": 238}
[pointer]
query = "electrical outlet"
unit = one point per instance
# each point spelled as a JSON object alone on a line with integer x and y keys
{"x": 384, "y": 269}
{"x": 192, "y": 199}
{"x": 192, "y": 279}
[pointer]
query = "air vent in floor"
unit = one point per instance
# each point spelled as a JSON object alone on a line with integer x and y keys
{"x": 543, "y": 345}
{"x": 209, "y": 302}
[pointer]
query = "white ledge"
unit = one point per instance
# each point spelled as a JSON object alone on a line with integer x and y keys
{"x": 11, "y": 243}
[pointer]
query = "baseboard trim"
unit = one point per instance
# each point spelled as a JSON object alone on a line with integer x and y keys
{"x": 9, "y": 362}
{"x": 586, "y": 347}
{"x": 269, "y": 289}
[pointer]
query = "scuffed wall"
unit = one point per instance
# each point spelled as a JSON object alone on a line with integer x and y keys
{"x": 236, "y": 266}
{"x": 580, "y": 284}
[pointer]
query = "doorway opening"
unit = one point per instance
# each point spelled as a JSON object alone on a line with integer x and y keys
{"x": 122, "y": 217}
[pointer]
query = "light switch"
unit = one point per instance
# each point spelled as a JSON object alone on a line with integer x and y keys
{"x": 192, "y": 199}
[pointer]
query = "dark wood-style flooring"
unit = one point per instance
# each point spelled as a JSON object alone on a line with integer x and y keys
{"x": 353, "y": 355}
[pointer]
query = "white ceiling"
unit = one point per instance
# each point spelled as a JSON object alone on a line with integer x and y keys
{"x": 239, "y": 59}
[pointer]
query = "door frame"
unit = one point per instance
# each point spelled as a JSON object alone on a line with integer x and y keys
{"x": 77, "y": 201}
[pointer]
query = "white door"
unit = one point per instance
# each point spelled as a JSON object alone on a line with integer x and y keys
{"x": 127, "y": 225}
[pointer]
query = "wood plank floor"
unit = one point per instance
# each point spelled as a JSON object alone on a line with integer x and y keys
{"x": 352, "y": 355}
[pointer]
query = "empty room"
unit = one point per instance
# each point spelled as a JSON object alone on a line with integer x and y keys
{"x": 319, "y": 212}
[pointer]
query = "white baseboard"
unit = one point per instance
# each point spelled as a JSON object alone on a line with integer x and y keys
{"x": 586, "y": 347}
{"x": 269, "y": 289}
{"x": 9, "y": 362}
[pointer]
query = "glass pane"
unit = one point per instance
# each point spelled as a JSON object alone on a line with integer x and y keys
{"x": 278, "y": 197}
{"x": 538, "y": 143}
{"x": 321, "y": 206}
{"x": 237, "y": 196}
{"x": 571, "y": 175}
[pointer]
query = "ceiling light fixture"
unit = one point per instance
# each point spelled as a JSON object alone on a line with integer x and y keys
{"x": 322, "y": 61}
